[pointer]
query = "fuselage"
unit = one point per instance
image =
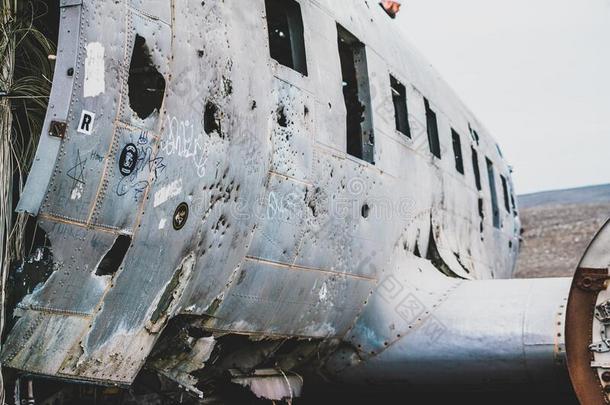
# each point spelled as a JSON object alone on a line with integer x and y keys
{"x": 333, "y": 221}
{"x": 209, "y": 168}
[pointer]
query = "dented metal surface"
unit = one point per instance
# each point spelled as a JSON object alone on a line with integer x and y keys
{"x": 200, "y": 179}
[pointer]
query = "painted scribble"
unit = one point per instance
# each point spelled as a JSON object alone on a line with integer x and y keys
{"x": 184, "y": 140}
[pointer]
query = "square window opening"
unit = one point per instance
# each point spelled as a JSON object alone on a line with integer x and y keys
{"x": 432, "y": 126}
{"x": 401, "y": 112}
{"x": 476, "y": 169}
{"x": 494, "y": 194}
{"x": 286, "y": 34}
{"x": 457, "y": 151}
{"x": 506, "y": 194}
{"x": 357, "y": 96}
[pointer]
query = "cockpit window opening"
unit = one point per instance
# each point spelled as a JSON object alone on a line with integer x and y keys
{"x": 401, "y": 111}
{"x": 457, "y": 151}
{"x": 286, "y": 34}
{"x": 357, "y": 96}
{"x": 432, "y": 125}
{"x": 494, "y": 194}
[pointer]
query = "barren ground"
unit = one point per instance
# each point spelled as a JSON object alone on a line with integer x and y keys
{"x": 558, "y": 227}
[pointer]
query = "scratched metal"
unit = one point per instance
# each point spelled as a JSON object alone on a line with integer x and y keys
{"x": 287, "y": 236}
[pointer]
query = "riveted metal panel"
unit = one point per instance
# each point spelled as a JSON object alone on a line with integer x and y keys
{"x": 276, "y": 299}
{"x": 60, "y": 108}
{"x": 293, "y": 132}
{"x": 282, "y": 225}
{"x": 82, "y": 158}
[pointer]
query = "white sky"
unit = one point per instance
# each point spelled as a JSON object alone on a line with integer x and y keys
{"x": 535, "y": 72}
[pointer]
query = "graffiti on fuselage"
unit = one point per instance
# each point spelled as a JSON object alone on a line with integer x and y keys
{"x": 182, "y": 139}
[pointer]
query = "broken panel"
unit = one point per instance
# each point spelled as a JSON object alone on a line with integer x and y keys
{"x": 114, "y": 258}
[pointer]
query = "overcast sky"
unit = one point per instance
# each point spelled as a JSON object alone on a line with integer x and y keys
{"x": 535, "y": 72}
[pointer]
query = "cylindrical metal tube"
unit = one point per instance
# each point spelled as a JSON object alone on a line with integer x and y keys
{"x": 494, "y": 334}
{"x": 31, "y": 400}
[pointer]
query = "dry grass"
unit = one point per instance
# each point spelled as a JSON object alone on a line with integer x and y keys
{"x": 24, "y": 82}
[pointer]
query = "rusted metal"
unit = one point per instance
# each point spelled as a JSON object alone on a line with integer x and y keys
{"x": 585, "y": 288}
{"x": 58, "y": 129}
{"x": 592, "y": 280}
{"x": 391, "y": 7}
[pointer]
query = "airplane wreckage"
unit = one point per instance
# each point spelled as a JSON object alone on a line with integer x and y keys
{"x": 281, "y": 194}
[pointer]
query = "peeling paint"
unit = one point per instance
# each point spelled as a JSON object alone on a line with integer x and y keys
{"x": 77, "y": 192}
{"x": 95, "y": 71}
{"x": 166, "y": 193}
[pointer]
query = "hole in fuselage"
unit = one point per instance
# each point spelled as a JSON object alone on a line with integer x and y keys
{"x": 416, "y": 252}
{"x": 211, "y": 119}
{"x": 146, "y": 84}
{"x": 114, "y": 258}
{"x": 366, "y": 211}
{"x": 282, "y": 120}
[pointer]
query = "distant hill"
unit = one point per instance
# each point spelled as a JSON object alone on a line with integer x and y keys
{"x": 558, "y": 226}
{"x": 583, "y": 195}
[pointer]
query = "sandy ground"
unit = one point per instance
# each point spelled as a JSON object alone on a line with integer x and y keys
{"x": 556, "y": 237}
